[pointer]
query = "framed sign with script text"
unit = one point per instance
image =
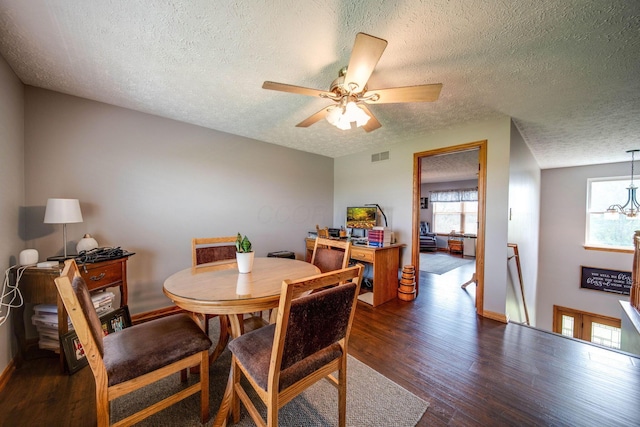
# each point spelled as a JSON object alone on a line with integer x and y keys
{"x": 600, "y": 279}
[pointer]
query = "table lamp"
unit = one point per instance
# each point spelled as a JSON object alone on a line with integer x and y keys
{"x": 63, "y": 211}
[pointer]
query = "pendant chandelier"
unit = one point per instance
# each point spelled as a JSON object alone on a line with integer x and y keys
{"x": 631, "y": 207}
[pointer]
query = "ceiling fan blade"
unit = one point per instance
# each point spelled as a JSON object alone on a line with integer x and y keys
{"x": 314, "y": 118}
{"x": 421, "y": 93}
{"x": 297, "y": 89}
{"x": 373, "y": 123}
{"x": 366, "y": 53}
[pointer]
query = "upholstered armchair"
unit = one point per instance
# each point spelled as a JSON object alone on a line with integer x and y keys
{"x": 428, "y": 240}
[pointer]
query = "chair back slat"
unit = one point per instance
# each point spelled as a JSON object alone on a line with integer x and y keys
{"x": 330, "y": 254}
{"x": 303, "y": 329}
{"x": 213, "y": 249}
{"x": 215, "y": 253}
{"x": 86, "y": 323}
{"x": 317, "y": 321}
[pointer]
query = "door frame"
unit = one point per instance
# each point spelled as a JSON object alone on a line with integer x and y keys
{"x": 481, "y": 146}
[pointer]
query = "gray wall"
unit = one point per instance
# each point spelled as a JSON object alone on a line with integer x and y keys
{"x": 150, "y": 185}
{"x": 562, "y": 235}
{"x": 524, "y": 228}
{"x": 390, "y": 184}
{"x": 12, "y": 187}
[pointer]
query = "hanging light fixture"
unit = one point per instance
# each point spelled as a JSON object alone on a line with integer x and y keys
{"x": 631, "y": 207}
{"x": 347, "y": 112}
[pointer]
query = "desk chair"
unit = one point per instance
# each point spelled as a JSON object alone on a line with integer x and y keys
{"x": 329, "y": 254}
{"x": 135, "y": 357}
{"x": 307, "y": 343}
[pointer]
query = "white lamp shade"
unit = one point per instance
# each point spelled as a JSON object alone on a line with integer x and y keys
{"x": 62, "y": 211}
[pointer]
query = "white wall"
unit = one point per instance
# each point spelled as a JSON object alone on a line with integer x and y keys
{"x": 12, "y": 188}
{"x": 390, "y": 184}
{"x": 150, "y": 185}
{"x": 524, "y": 226}
{"x": 562, "y": 235}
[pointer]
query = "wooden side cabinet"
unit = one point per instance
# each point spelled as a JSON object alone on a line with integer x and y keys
{"x": 37, "y": 287}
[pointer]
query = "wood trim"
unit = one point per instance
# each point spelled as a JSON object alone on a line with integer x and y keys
{"x": 603, "y": 249}
{"x": 583, "y": 321}
{"x": 155, "y": 314}
{"x": 6, "y": 374}
{"x": 586, "y": 313}
{"x": 481, "y": 146}
{"x": 499, "y": 317}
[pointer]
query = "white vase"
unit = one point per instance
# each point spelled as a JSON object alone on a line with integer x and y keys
{"x": 245, "y": 261}
{"x": 87, "y": 243}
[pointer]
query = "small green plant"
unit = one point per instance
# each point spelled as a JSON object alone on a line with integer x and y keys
{"x": 243, "y": 245}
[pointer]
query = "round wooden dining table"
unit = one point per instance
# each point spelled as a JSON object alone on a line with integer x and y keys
{"x": 218, "y": 288}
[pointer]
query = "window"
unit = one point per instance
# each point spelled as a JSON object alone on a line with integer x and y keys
{"x": 458, "y": 216}
{"x": 602, "y": 231}
{"x": 591, "y": 327}
{"x": 455, "y": 210}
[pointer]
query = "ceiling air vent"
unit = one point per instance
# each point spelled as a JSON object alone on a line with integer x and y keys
{"x": 378, "y": 157}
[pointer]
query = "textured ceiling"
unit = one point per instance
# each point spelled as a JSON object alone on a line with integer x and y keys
{"x": 567, "y": 72}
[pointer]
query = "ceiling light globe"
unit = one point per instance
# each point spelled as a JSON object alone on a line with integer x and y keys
{"x": 334, "y": 115}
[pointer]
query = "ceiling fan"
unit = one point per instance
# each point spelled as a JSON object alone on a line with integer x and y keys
{"x": 350, "y": 91}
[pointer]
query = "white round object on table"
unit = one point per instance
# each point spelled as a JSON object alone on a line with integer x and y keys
{"x": 28, "y": 257}
{"x": 86, "y": 243}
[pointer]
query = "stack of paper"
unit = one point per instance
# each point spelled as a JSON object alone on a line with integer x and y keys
{"x": 45, "y": 319}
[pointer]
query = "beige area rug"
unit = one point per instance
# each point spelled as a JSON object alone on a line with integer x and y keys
{"x": 372, "y": 400}
{"x": 437, "y": 263}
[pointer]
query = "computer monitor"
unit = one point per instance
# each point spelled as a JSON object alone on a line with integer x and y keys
{"x": 362, "y": 217}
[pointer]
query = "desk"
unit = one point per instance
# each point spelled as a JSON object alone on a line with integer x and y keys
{"x": 205, "y": 290}
{"x": 37, "y": 287}
{"x": 385, "y": 262}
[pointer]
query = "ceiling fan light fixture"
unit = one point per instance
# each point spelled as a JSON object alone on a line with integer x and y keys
{"x": 348, "y": 112}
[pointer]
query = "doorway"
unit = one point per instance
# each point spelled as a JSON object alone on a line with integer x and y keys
{"x": 419, "y": 158}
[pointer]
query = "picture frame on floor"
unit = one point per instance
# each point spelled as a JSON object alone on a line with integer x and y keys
{"x": 112, "y": 321}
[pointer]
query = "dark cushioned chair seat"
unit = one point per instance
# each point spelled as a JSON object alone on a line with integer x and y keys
{"x": 129, "y": 354}
{"x": 254, "y": 349}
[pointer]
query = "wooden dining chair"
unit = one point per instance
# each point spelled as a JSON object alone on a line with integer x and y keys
{"x": 322, "y": 232}
{"x": 306, "y": 344}
{"x": 331, "y": 254}
{"x": 135, "y": 357}
{"x": 222, "y": 252}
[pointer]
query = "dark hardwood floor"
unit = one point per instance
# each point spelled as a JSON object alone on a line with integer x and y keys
{"x": 472, "y": 371}
{"x": 478, "y": 372}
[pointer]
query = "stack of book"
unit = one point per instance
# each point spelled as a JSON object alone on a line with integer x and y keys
{"x": 45, "y": 319}
{"x": 379, "y": 237}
